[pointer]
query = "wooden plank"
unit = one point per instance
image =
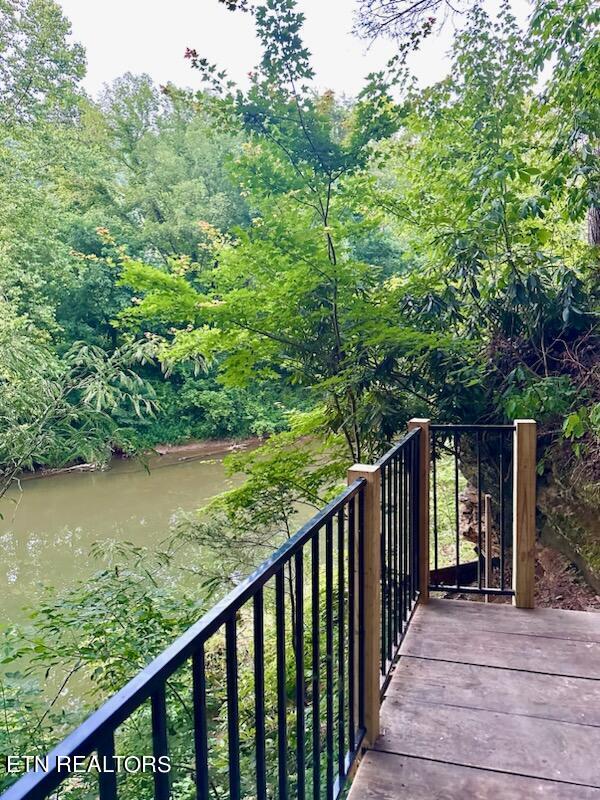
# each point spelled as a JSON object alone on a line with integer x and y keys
{"x": 372, "y": 589}
{"x": 424, "y": 469}
{"x": 575, "y": 700}
{"x": 532, "y": 653}
{"x": 550, "y": 622}
{"x": 467, "y": 573}
{"x": 386, "y": 776}
{"x": 536, "y": 748}
{"x": 524, "y": 500}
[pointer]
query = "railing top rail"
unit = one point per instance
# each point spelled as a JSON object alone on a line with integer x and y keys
{"x": 387, "y": 457}
{"x": 91, "y": 733}
{"x": 458, "y": 428}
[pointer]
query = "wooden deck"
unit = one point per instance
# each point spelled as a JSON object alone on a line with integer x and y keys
{"x": 490, "y": 702}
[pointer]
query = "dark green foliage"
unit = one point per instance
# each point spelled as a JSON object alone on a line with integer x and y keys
{"x": 198, "y": 407}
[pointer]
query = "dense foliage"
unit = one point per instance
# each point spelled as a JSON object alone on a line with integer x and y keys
{"x": 177, "y": 265}
{"x": 76, "y": 175}
{"x": 484, "y": 185}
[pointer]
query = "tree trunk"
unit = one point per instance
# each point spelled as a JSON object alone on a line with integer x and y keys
{"x": 594, "y": 217}
{"x": 594, "y": 226}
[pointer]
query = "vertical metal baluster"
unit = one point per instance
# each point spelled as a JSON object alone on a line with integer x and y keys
{"x": 233, "y": 721}
{"x": 456, "y": 514}
{"x": 383, "y": 572}
{"x": 390, "y": 564}
{"x": 405, "y": 492}
{"x": 159, "y": 742}
{"x": 479, "y": 511}
{"x": 401, "y": 565}
{"x": 397, "y": 613}
{"x": 435, "y": 508}
{"x": 409, "y": 478}
{"x": 341, "y": 663}
{"x": 200, "y": 723}
{"x": 361, "y": 609}
{"x": 351, "y": 613}
{"x": 329, "y": 652}
{"x": 316, "y": 668}
{"x": 299, "y": 648}
{"x": 405, "y": 544}
{"x": 259, "y": 696}
{"x": 107, "y": 778}
{"x": 282, "y": 746}
{"x": 501, "y": 537}
{"x": 415, "y": 517}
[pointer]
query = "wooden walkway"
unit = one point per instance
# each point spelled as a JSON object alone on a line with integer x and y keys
{"x": 490, "y": 702}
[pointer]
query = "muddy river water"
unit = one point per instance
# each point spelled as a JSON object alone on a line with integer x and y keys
{"x": 50, "y": 524}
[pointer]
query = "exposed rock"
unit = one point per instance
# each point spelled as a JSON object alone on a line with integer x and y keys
{"x": 569, "y": 521}
{"x": 468, "y": 515}
{"x": 563, "y": 575}
{"x": 558, "y": 583}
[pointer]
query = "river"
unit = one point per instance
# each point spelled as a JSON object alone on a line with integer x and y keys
{"x": 49, "y": 525}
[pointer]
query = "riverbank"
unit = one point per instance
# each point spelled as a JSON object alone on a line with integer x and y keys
{"x": 206, "y": 448}
{"x": 160, "y": 455}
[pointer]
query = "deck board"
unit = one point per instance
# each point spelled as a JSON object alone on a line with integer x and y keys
{"x": 490, "y": 740}
{"x": 463, "y": 644}
{"x": 552, "y": 697}
{"x": 490, "y": 701}
{"x": 387, "y": 777}
{"x": 551, "y": 622}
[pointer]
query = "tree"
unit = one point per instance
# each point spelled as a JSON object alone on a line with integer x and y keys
{"x": 489, "y": 206}
{"x": 40, "y": 70}
{"x": 568, "y": 32}
{"x": 171, "y": 178}
{"x": 58, "y": 410}
{"x": 40, "y": 112}
{"x": 287, "y": 295}
{"x": 402, "y": 20}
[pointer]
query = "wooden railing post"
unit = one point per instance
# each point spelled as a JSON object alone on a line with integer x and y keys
{"x": 372, "y": 594}
{"x": 524, "y": 482}
{"x": 424, "y": 466}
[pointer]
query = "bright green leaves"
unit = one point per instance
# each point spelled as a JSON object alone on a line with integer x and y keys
{"x": 541, "y": 400}
{"x": 288, "y": 296}
{"x": 473, "y": 193}
{"x": 280, "y": 475}
{"x": 582, "y": 428}
{"x": 580, "y": 422}
{"x": 167, "y": 298}
{"x": 482, "y": 198}
{"x": 574, "y": 426}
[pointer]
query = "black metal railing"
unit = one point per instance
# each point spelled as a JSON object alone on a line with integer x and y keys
{"x": 470, "y": 509}
{"x": 305, "y": 604}
{"x": 399, "y": 545}
{"x": 292, "y": 635}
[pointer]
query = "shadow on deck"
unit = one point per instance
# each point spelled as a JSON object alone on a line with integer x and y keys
{"x": 490, "y": 701}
